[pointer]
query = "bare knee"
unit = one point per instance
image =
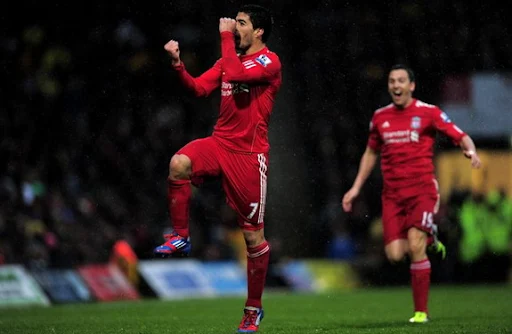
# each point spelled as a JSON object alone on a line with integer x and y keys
{"x": 254, "y": 238}
{"x": 396, "y": 250}
{"x": 395, "y": 256}
{"x": 180, "y": 167}
{"x": 417, "y": 244}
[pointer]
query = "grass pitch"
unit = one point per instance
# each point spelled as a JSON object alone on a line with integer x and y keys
{"x": 461, "y": 309}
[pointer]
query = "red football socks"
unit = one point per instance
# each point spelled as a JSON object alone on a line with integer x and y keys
{"x": 420, "y": 281}
{"x": 179, "y": 193}
{"x": 257, "y": 265}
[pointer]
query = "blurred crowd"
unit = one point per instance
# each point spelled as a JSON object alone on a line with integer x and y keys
{"x": 91, "y": 114}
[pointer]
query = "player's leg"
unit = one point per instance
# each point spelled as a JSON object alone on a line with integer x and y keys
{"x": 245, "y": 184}
{"x": 420, "y": 274}
{"x": 433, "y": 243}
{"x": 193, "y": 161}
{"x": 258, "y": 256}
{"x": 179, "y": 192}
{"x": 421, "y": 225}
{"x": 395, "y": 236}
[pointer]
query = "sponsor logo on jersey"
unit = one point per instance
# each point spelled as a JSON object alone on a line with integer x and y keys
{"x": 415, "y": 136}
{"x": 385, "y": 125}
{"x": 400, "y": 137}
{"x": 395, "y": 137}
{"x": 228, "y": 88}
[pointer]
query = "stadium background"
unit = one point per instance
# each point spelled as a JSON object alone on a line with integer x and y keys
{"x": 91, "y": 114}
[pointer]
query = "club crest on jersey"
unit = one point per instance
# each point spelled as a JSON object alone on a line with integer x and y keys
{"x": 416, "y": 122}
{"x": 263, "y": 60}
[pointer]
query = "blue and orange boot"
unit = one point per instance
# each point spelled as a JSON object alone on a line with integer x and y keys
{"x": 251, "y": 320}
{"x": 174, "y": 245}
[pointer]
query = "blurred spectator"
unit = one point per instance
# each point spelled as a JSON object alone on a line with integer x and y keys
{"x": 486, "y": 240}
{"x": 341, "y": 246}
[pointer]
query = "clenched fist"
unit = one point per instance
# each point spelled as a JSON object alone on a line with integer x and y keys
{"x": 227, "y": 24}
{"x": 173, "y": 49}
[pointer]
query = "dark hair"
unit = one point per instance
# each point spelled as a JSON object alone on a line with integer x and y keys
{"x": 261, "y": 18}
{"x": 409, "y": 71}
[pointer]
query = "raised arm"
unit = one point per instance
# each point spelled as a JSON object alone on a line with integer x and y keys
{"x": 200, "y": 86}
{"x": 266, "y": 66}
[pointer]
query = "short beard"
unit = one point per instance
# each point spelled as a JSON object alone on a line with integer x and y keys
{"x": 239, "y": 49}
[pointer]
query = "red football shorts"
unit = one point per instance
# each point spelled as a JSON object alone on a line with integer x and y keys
{"x": 244, "y": 177}
{"x": 410, "y": 207}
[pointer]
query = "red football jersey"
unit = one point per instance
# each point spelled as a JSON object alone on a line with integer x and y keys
{"x": 249, "y": 84}
{"x": 405, "y": 139}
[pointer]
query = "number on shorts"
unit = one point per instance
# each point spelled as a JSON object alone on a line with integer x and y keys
{"x": 254, "y": 207}
{"x": 428, "y": 219}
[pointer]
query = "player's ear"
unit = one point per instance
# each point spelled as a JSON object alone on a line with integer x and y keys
{"x": 259, "y": 32}
{"x": 413, "y": 86}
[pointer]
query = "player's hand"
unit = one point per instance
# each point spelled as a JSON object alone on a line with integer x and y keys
{"x": 227, "y": 24}
{"x": 349, "y": 197}
{"x": 173, "y": 49}
{"x": 475, "y": 159}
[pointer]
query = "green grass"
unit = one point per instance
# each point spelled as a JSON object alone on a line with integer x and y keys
{"x": 482, "y": 309}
